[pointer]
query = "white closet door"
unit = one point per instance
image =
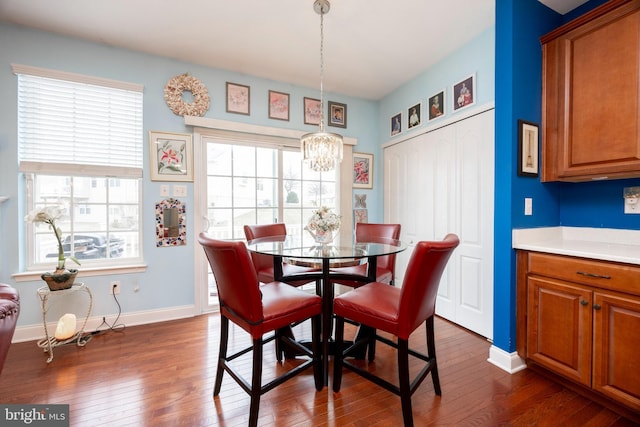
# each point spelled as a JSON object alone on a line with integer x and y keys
{"x": 442, "y": 182}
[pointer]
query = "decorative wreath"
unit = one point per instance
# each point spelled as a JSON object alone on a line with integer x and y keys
{"x": 173, "y": 96}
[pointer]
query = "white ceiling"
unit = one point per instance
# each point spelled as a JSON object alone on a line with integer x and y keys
{"x": 371, "y": 46}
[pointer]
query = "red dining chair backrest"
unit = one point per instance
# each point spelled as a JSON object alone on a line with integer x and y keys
{"x": 236, "y": 279}
{"x": 421, "y": 281}
{"x": 372, "y": 232}
{"x": 264, "y": 263}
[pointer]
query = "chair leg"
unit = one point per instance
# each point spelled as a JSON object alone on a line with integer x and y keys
{"x": 278, "y": 343}
{"x": 405, "y": 382}
{"x": 222, "y": 355}
{"x": 431, "y": 352}
{"x": 372, "y": 346}
{"x": 317, "y": 353}
{"x": 339, "y": 354}
{"x": 256, "y": 383}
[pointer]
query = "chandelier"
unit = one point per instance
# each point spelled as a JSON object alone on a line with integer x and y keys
{"x": 321, "y": 150}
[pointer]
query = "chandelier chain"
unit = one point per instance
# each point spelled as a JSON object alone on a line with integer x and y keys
{"x": 322, "y": 70}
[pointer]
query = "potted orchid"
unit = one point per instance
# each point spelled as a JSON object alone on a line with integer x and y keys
{"x": 61, "y": 278}
{"x": 322, "y": 224}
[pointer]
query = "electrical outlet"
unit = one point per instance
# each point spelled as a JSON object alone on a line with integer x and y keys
{"x": 115, "y": 287}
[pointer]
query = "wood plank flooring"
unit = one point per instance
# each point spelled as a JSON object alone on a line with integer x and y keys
{"x": 162, "y": 375}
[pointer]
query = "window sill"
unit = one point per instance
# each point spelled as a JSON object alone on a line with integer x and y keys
{"x": 29, "y": 276}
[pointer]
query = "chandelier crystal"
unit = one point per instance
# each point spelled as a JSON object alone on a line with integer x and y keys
{"x": 321, "y": 150}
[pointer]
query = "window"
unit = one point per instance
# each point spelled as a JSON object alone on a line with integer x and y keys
{"x": 252, "y": 184}
{"x": 80, "y": 146}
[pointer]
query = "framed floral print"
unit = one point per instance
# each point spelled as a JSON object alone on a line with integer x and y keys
{"x": 278, "y": 105}
{"x": 312, "y": 111}
{"x": 238, "y": 97}
{"x": 171, "y": 156}
{"x": 362, "y": 170}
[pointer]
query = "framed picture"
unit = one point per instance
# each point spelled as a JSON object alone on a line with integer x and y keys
{"x": 527, "y": 148}
{"x": 171, "y": 156}
{"x": 362, "y": 170}
{"x": 396, "y": 124}
{"x": 414, "y": 115}
{"x": 464, "y": 93}
{"x": 436, "y": 105}
{"x": 238, "y": 97}
{"x": 337, "y": 114}
{"x": 278, "y": 105}
{"x": 312, "y": 110}
{"x": 360, "y": 215}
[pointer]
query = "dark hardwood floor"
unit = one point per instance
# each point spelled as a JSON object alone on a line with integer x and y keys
{"x": 162, "y": 375}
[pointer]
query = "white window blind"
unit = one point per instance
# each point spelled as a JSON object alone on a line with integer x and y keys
{"x": 74, "y": 123}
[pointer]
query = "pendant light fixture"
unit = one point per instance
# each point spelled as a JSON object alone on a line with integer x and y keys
{"x": 321, "y": 150}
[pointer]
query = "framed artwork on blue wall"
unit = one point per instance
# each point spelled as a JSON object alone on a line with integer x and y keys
{"x": 464, "y": 93}
{"x": 527, "y": 148}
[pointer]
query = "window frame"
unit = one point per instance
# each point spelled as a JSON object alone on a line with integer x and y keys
{"x": 29, "y": 169}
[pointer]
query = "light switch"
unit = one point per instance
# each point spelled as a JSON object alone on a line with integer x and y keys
{"x": 528, "y": 206}
{"x": 164, "y": 191}
{"x": 179, "y": 191}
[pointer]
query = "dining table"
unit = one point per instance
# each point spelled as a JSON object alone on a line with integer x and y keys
{"x": 325, "y": 258}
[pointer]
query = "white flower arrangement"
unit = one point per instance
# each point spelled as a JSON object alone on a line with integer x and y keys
{"x": 49, "y": 215}
{"x": 324, "y": 219}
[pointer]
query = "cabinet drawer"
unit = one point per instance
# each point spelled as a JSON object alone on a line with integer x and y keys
{"x": 602, "y": 274}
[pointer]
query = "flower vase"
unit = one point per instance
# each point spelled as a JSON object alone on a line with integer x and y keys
{"x": 60, "y": 279}
{"x": 323, "y": 237}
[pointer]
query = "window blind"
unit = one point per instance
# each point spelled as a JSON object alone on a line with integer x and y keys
{"x": 77, "y": 123}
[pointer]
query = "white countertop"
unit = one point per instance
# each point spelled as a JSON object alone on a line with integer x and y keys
{"x": 595, "y": 243}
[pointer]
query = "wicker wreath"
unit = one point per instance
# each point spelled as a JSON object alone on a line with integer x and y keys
{"x": 173, "y": 96}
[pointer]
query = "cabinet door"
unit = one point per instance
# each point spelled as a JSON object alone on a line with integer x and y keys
{"x": 559, "y": 327}
{"x": 616, "y": 367}
{"x": 591, "y": 99}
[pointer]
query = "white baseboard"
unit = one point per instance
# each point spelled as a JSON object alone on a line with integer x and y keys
{"x": 509, "y": 362}
{"x": 35, "y": 332}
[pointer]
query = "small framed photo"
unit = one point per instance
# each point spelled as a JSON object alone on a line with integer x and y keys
{"x": 312, "y": 111}
{"x": 278, "y": 105}
{"x": 362, "y": 170}
{"x": 528, "y": 148}
{"x": 171, "y": 156}
{"x": 337, "y": 114}
{"x": 464, "y": 93}
{"x": 396, "y": 124}
{"x": 414, "y": 115}
{"x": 436, "y": 105}
{"x": 360, "y": 215}
{"x": 238, "y": 98}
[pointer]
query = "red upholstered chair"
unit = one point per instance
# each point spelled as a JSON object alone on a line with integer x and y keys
{"x": 258, "y": 310}
{"x": 9, "y": 312}
{"x": 385, "y": 265}
{"x": 264, "y": 263}
{"x": 398, "y": 311}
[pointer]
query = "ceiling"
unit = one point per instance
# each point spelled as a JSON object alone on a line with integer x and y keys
{"x": 370, "y": 46}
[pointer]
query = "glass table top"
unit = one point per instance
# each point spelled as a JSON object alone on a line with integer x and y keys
{"x": 291, "y": 247}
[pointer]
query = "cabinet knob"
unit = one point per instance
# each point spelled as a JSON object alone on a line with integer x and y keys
{"x": 583, "y": 302}
{"x": 597, "y": 306}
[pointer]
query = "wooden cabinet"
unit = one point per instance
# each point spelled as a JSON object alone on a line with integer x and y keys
{"x": 591, "y": 95}
{"x": 581, "y": 319}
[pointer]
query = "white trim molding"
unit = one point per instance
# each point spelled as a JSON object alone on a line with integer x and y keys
{"x": 509, "y": 362}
